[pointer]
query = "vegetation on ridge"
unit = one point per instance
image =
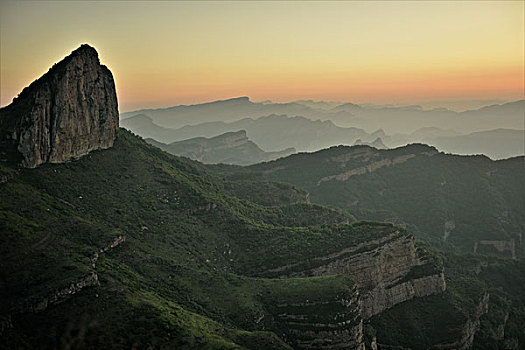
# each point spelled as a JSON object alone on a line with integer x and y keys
{"x": 179, "y": 270}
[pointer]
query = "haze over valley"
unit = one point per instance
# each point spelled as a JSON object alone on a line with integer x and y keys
{"x": 496, "y": 131}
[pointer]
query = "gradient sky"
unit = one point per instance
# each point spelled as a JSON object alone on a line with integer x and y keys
{"x": 168, "y": 53}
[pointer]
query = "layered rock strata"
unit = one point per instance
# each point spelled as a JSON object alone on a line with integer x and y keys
{"x": 315, "y": 324}
{"x": 387, "y": 271}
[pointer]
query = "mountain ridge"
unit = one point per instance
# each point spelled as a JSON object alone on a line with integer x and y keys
{"x": 390, "y": 182}
{"x": 233, "y": 147}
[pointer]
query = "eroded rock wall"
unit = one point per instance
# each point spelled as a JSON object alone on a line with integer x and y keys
{"x": 68, "y": 112}
{"x": 387, "y": 271}
{"x": 330, "y": 324}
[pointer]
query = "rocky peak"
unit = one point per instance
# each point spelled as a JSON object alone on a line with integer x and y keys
{"x": 68, "y": 112}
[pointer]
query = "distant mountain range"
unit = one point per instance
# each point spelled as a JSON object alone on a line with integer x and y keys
{"x": 496, "y": 144}
{"x": 271, "y": 133}
{"x": 392, "y": 119}
{"x": 410, "y": 118}
{"x": 228, "y": 148}
{"x": 495, "y": 130}
{"x": 226, "y": 111}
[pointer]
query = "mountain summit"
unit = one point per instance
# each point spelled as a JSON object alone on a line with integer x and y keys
{"x": 68, "y": 112}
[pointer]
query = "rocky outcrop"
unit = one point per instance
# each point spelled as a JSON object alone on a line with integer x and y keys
{"x": 470, "y": 327}
{"x": 370, "y": 168}
{"x": 202, "y": 208}
{"x": 387, "y": 274}
{"x": 38, "y": 304}
{"x": 450, "y": 225}
{"x": 68, "y": 112}
{"x": 329, "y": 324}
{"x": 382, "y": 298}
{"x": 387, "y": 271}
{"x": 113, "y": 244}
{"x": 7, "y": 176}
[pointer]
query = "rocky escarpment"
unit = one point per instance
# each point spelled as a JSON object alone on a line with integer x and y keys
{"x": 38, "y": 304}
{"x": 318, "y": 320}
{"x": 387, "y": 271}
{"x": 370, "y": 168}
{"x": 68, "y": 112}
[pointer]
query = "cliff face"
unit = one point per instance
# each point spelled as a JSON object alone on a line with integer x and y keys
{"x": 391, "y": 272}
{"x": 68, "y": 112}
{"x": 318, "y": 320}
{"x": 387, "y": 271}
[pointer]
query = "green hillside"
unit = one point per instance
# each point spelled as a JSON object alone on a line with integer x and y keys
{"x": 156, "y": 253}
{"x": 467, "y": 203}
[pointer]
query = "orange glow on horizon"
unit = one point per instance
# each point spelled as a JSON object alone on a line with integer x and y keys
{"x": 169, "y": 53}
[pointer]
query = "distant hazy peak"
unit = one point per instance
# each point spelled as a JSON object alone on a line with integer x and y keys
{"x": 242, "y": 99}
{"x": 348, "y": 105}
{"x": 518, "y": 104}
{"x": 139, "y": 116}
{"x": 238, "y": 135}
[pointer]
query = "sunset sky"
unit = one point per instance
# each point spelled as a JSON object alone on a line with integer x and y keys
{"x": 169, "y": 53}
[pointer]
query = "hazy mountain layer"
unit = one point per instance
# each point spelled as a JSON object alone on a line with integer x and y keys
{"x": 496, "y": 144}
{"x": 271, "y": 133}
{"x": 392, "y": 119}
{"x": 228, "y": 148}
{"x": 226, "y": 111}
{"x": 408, "y": 119}
{"x": 377, "y": 143}
{"x": 403, "y": 125}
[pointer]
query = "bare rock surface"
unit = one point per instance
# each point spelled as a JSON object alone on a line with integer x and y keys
{"x": 68, "y": 112}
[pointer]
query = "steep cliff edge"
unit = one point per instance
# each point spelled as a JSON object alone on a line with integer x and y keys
{"x": 68, "y": 112}
{"x": 315, "y": 313}
{"x": 387, "y": 271}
